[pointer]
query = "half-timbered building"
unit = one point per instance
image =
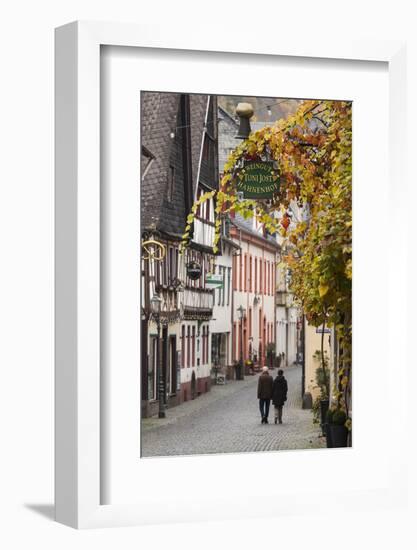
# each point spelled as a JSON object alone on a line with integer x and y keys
{"x": 178, "y": 164}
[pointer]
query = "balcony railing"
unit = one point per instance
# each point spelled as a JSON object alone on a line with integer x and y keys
{"x": 280, "y": 298}
{"x": 284, "y": 298}
{"x": 197, "y": 302}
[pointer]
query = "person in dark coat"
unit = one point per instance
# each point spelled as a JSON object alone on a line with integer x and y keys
{"x": 279, "y": 395}
{"x": 265, "y": 382}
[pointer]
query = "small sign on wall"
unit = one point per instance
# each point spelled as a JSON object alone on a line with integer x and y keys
{"x": 320, "y": 330}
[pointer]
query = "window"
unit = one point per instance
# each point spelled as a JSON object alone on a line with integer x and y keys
{"x": 228, "y": 285}
{"x": 234, "y": 341}
{"x": 240, "y": 271}
{"x": 207, "y": 205}
{"x": 260, "y": 323}
{"x": 268, "y": 279}
{"x": 260, "y": 277}
{"x": 164, "y": 265}
{"x": 188, "y": 346}
{"x": 204, "y": 346}
{"x": 157, "y": 272}
{"x": 207, "y": 344}
{"x": 245, "y": 273}
{"x": 171, "y": 183}
{"x": 234, "y": 272}
{"x": 198, "y": 213}
{"x": 193, "y": 348}
{"x": 183, "y": 345}
{"x": 256, "y": 275}
{"x": 250, "y": 273}
{"x": 219, "y": 290}
{"x": 224, "y": 283}
{"x": 208, "y": 149}
{"x": 171, "y": 264}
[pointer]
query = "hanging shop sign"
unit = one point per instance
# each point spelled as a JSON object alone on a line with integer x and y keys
{"x": 193, "y": 270}
{"x": 153, "y": 250}
{"x": 214, "y": 281}
{"x": 258, "y": 180}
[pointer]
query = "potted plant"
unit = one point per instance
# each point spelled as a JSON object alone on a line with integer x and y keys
{"x": 249, "y": 367}
{"x": 321, "y": 402}
{"x": 336, "y": 430}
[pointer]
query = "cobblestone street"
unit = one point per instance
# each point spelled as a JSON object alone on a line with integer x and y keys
{"x": 227, "y": 419}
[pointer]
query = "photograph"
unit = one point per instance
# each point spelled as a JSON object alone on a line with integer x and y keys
{"x": 246, "y": 274}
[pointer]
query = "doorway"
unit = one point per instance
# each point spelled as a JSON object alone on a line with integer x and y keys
{"x": 173, "y": 364}
{"x": 193, "y": 386}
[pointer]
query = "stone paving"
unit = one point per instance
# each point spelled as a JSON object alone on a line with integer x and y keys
{"x": 227, "y": 420}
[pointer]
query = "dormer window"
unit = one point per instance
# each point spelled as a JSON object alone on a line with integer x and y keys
{"x": 147, "y": 160}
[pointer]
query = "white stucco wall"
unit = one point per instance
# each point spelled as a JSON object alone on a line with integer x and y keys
{"x": 264, "y": 302}
{"x": 313, "y": 344}
{"x": 221, "y": 323}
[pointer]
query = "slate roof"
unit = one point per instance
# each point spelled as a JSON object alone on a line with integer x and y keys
{"x": 247, "y": 226}
{"x": 198, "y": 108}
{"x": 158, "y": 117}
{"x": 160, "y": 113}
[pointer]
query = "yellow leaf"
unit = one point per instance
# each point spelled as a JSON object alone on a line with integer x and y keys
{"x": 323, "y": 290}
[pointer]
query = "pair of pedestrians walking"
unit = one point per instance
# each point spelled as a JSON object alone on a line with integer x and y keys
{"x": 270, "y": 389}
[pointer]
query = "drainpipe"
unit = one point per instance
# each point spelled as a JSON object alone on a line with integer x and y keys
{"x": 232, "y": 309}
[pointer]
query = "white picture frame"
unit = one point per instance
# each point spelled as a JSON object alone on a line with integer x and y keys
{"x": 78, "y": 404}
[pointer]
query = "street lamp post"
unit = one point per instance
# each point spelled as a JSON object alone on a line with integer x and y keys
{"x": 241, "y": 311}
{"x": 156, "y": 315}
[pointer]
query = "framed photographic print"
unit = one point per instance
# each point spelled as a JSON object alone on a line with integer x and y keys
{"x": 218, "y": 266}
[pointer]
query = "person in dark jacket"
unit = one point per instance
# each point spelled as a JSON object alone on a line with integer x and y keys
{"x": 265, "y": 382}
{"x": 279, "y": 395}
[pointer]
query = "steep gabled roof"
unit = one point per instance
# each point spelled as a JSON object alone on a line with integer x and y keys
{"x": 158, "y": 118}
{"x": 226, "y": 115}
{"x": 161, "y": 113}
